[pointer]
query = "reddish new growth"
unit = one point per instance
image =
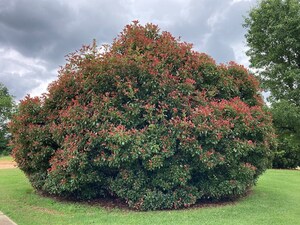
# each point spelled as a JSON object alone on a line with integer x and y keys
{"x": 147, "y": 120}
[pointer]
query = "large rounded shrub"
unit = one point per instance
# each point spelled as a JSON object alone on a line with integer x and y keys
{"x": 147, "y": 120}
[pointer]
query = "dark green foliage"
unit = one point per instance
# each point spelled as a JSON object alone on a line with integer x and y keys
{"x": 274, "y": 42}
{"x": 6, "y": 110}
{"x": 149, "y": 121}
{"x": 286, "y": 118}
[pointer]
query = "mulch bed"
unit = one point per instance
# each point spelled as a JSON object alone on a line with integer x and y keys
{"x": 110, "y": 203}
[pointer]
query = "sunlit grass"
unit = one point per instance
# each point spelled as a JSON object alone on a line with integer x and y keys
{"x": 275, "y": 200}
{"x": 6, "y": 158}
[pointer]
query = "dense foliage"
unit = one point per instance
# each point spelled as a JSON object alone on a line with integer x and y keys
{"x": 274, "y": 41}
{"x": 286, "y": 119}
{"x": 6, "y": 110}
{"x": 147, "y": 120}
{"x": 274, "y": 48}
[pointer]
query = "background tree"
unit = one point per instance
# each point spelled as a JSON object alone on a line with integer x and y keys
{"x": 6, "y": 108}
{"x": 286, "y": 118}
{"x": 274, "y": 41}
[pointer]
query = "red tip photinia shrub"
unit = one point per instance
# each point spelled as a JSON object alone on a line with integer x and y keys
{"x": 147, "y": 120}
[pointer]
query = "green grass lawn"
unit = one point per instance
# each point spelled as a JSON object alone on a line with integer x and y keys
{"x": 275, "y": 200}
{"x": 6, "y": 158}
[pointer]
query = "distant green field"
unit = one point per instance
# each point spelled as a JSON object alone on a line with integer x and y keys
{"x": 275, "y": 200}
{"x": 6, "y": 158}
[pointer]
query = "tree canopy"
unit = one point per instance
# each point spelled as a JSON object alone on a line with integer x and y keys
{"x": 6, "y": 108}
{"x": 274, "y": 41}
{"x": 286, "y": 118}
{"x": 274, "y": 48}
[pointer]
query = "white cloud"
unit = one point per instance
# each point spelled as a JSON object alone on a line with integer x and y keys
{"x": 239, "y": 50}
{"x": 15, "y": 62}
{"x": 237, "y": 1}
{"x": 41, "y": 88}
{"x": 23, "y": 74}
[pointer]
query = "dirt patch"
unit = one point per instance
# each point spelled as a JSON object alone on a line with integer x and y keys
{"x": 8, "y": 165}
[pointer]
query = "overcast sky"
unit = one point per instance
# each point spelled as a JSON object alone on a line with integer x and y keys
{"x": 35, "y": 35}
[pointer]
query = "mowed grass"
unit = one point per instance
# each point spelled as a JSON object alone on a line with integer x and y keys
{"x": 5, "y": 158}
{"x": 275, "y": 200}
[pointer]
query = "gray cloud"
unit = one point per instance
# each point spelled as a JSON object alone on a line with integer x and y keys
{"x": 36, "y": 35}
{"x": 32, "y": 28}
{"x": 227, "y": 31}
{"x": 16, "y": 85}
{"x": 51, "y": 29}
